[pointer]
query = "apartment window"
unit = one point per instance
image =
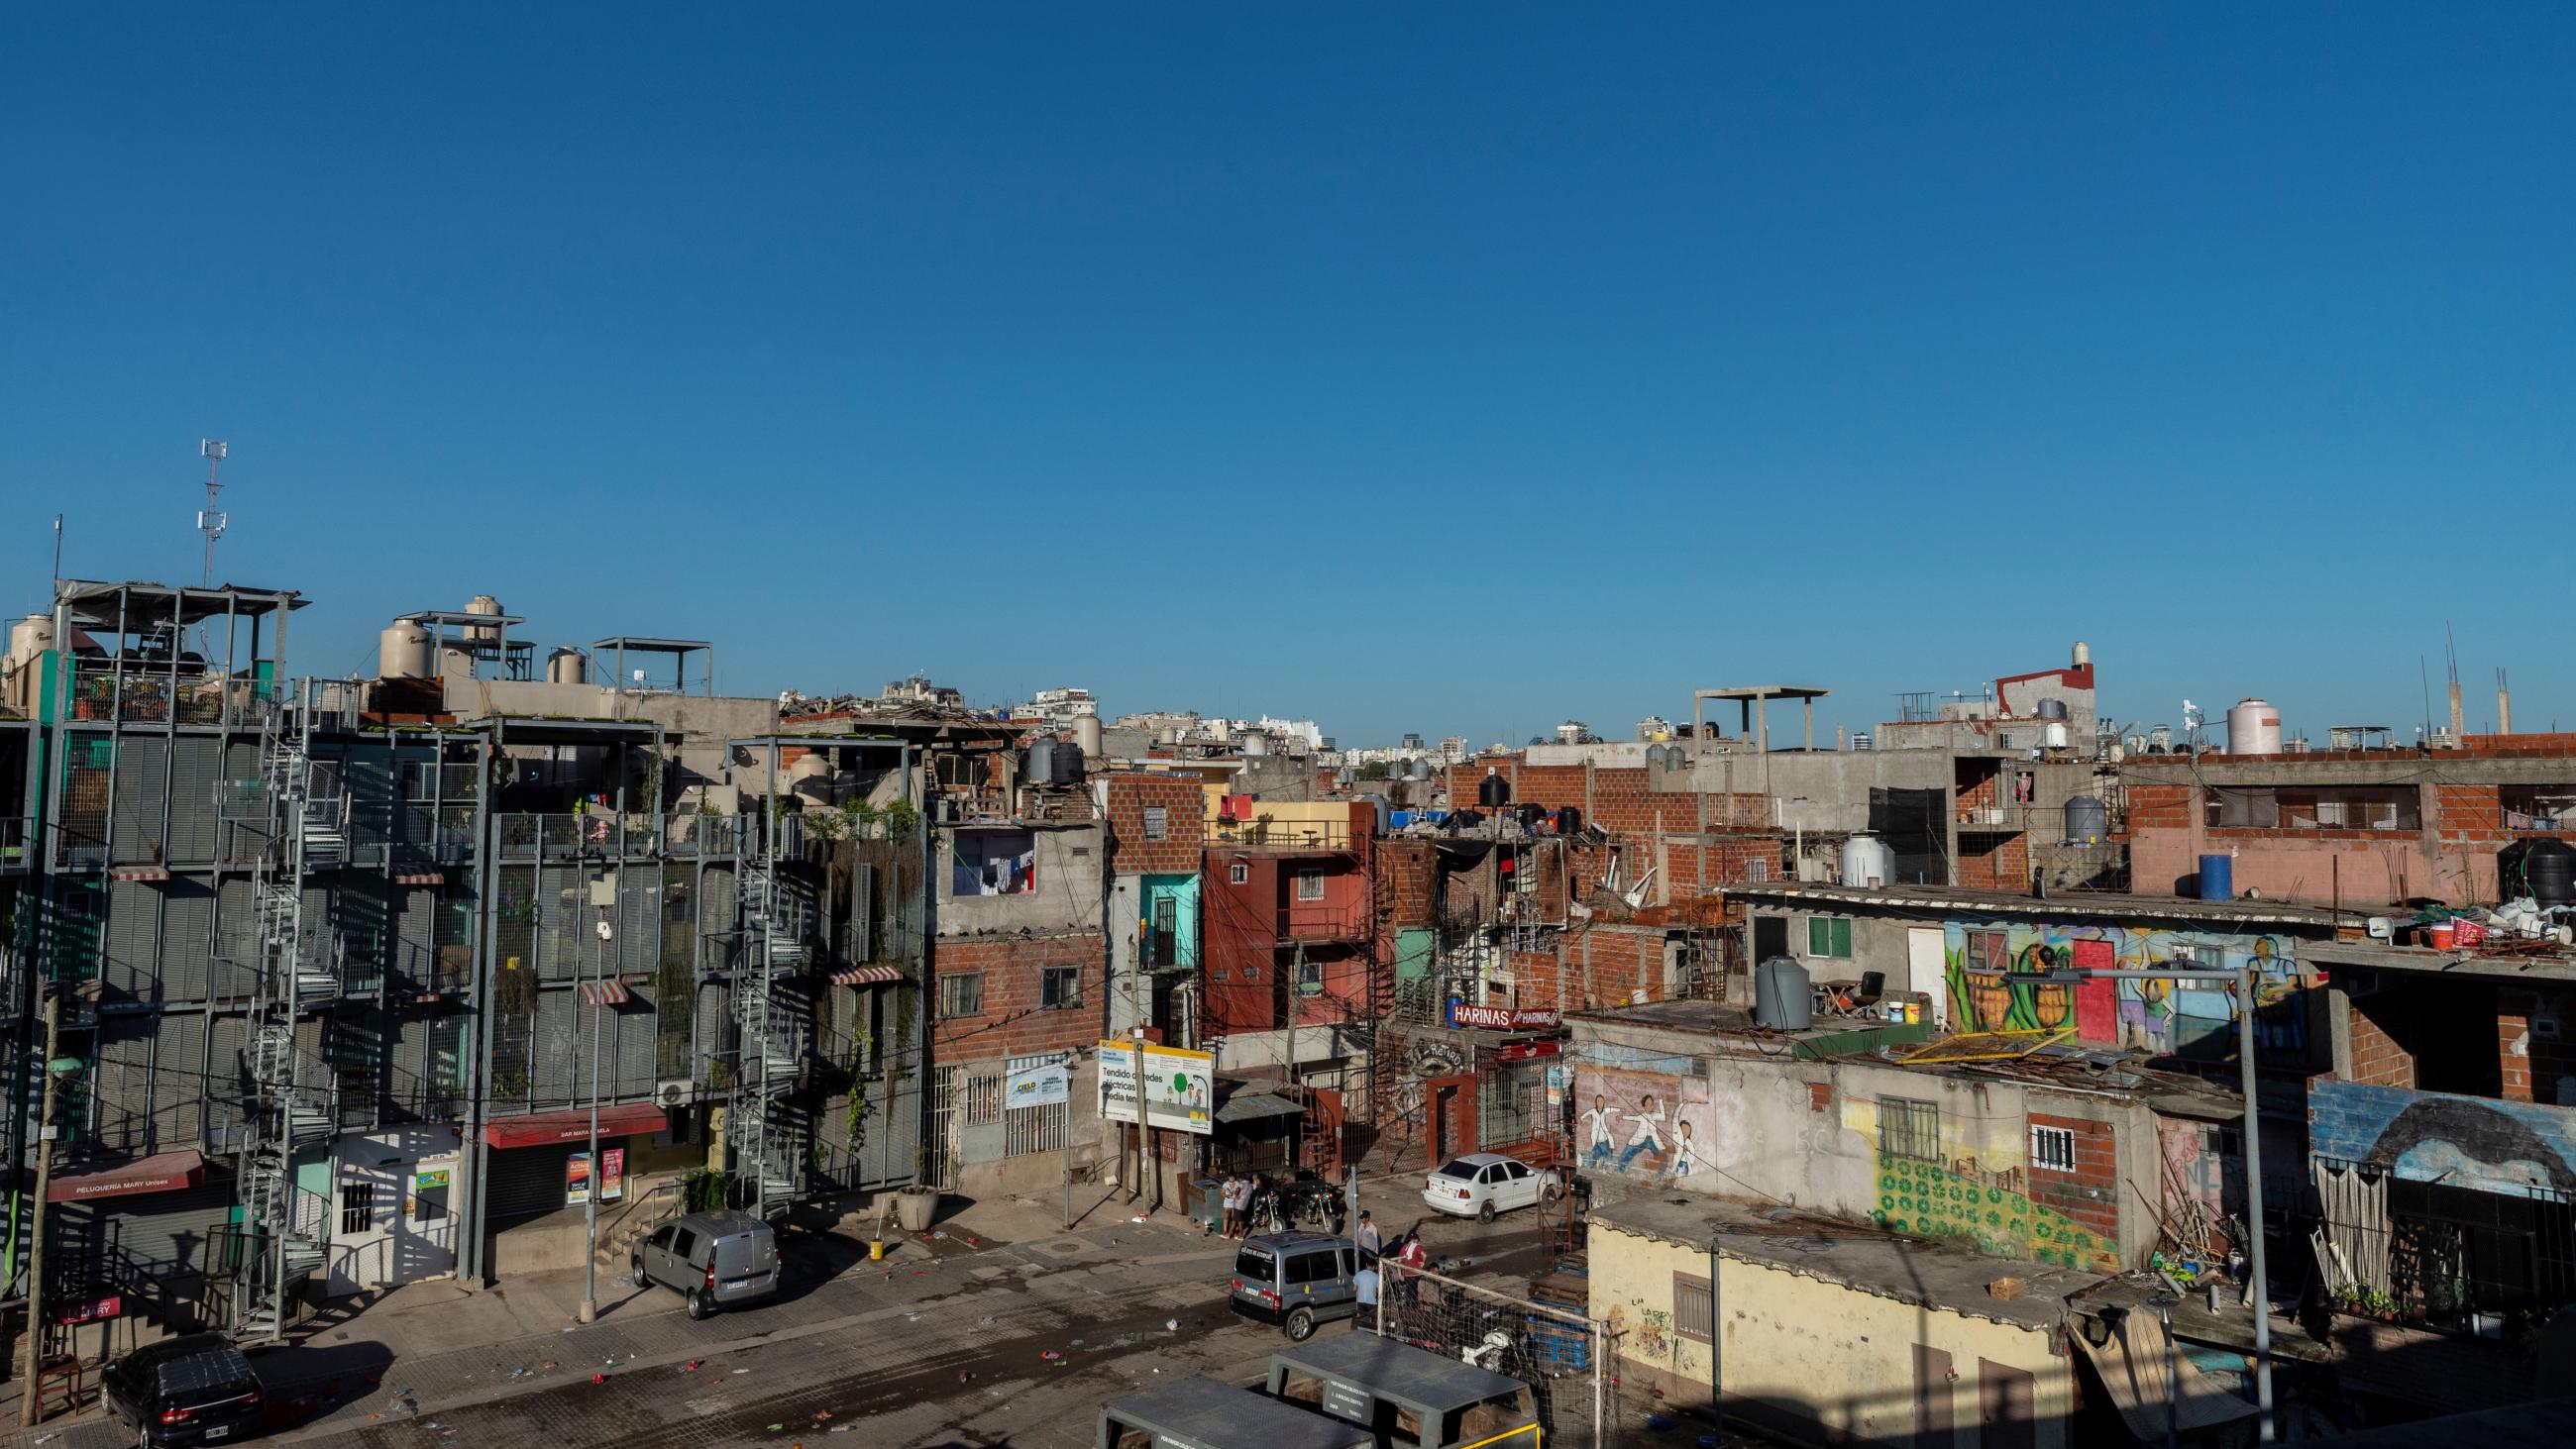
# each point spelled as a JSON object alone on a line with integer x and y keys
{"x": 1829, "y": 936}
{"x": 961, "y": 994}
{"x": 1059, "y": 987}
{"x": 993, "y": 863}
{"x": 2538, "y": 807}
{"x": 1238, "y": 873}
{"x": 1310, "y": 975}
{"x": 357, "y": 1207}
{"x": 1156, "y": 822}
{"x": 1310, "y": 885}
{"x": 2052, "y": 1149}
{"x": 1908, "y": 1128}
{"x": 1987, "y": 951}
{"x": 1694, "y": 1307}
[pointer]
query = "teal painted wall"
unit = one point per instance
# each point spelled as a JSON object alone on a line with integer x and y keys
{"x": 1183, "y": 889}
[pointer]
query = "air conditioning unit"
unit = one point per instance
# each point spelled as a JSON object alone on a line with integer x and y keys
{"x": 675, "y": 1094}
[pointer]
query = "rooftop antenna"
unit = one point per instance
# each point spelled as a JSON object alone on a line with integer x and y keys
{"x": 210, "y": 519}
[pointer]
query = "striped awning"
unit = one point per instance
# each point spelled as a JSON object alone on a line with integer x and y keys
{"x": 140, "y": 872}
{"x": 605, "y": 993}
{"x": 420, "y": 877}
{"x": 878, "y": 975}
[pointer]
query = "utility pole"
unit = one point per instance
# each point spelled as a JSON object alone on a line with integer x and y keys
{"x": 590, "y": 1200}
{"x": 27, "y": 1403}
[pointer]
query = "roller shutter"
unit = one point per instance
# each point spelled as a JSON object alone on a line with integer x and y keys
{"x": 525, "y": 1181}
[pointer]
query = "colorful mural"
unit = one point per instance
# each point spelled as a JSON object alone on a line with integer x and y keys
{"x": 1643, "y": 1124}
{"x": 1978, "y": 1191}
{"x": 2518, "y": 1148}
{"x": 2169, "y": 1018}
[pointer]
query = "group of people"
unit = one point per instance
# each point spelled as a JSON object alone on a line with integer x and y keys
{"x": 1236, "y": 1196}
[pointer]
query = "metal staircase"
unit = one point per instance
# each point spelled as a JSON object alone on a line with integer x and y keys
{"x": 290, "y": 1107}
{"x": 766, "y": 1132}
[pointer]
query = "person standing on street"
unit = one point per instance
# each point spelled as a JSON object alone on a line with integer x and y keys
{"x": 1365, "y": 1280}
{"x": 1367, "y": 1238}
{"x": 1232, "y": 1198}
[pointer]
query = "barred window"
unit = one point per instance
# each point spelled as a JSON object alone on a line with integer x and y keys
{"x": 2052, "y": 1149}
{"x": 1908, "y": 1128}
{"x": 1694, "y": 1307}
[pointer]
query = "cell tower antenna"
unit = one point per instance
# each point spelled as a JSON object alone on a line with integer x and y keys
{"x": 210, "y": 519}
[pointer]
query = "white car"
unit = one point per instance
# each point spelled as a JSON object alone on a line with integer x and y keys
{"x": 1482, "y": 1184}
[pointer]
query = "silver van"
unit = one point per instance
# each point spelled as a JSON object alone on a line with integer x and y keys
{"x": 1296, "y": 1280}
{"x": 715, "y": 1260}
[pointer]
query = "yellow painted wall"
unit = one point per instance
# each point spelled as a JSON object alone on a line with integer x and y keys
{"x": 1839, "y": 1359}
{"x": 1331, "y": 816}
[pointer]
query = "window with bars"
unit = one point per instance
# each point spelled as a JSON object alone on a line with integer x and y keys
{"x": 982, "y": 1098}
{"x": 357, "y": 1207}
{"x": 2052, "y": 1149}
{"x": 1034, "y": 1129}
{"x": 1238, "y": 873}
{"x": 1694, "y": 1307}
{"x": 1310, "y": 885}
{"x": 1908, "y": 1128}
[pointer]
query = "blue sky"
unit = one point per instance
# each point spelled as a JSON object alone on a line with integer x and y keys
{"x": 1441, "y": 367}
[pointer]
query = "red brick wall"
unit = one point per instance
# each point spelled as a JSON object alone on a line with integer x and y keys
{"x": 2090, "y": 1195}
{"x": 1130, "y": 853}
{"x": 2162, "y": 806}
{"x": 2003, "y": 865}
{"x": 2378, "y": 1058}
{"x": 1605, "y": 962}
{"x": 1408, "y": 878}
{"x": 2531, "y": 1074}
{"x": 1012, "y": 1024}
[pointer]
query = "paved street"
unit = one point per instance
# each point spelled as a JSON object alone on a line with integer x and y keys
{"x": 949, "y": 1342}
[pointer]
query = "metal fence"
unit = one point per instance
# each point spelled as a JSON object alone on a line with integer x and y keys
{"x": 1554, "y": 1348}
{"x": 2438, "y": 1254}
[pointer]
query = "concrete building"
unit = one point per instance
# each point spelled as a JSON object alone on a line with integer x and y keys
{"x": 1154, "y": 829}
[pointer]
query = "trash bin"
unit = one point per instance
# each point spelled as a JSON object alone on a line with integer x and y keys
{"x": 1207, "y": 1202}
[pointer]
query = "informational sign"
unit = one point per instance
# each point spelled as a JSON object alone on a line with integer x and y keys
{"x": 1346, "y": 1401}
{"x": 90, "y": 1310}
{"x": 577, "y": 1179}
{"x": 429, "y": 1181}
{"x": 612, "y": 1173}
{"x": 1501, "y": 1018}
{"x": 1038, "y": 1087}
{"x": 1158, "y": 1085}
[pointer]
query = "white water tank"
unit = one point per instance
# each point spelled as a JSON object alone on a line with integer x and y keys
{"x": 29, "y": 637}
{"x": 1086, "y": 733}
{"x": 2253, "y": 728}
{"x": 567, "y": 665}
{"x": 402, "y": 651}
{"x": 483, "y": 604}
{"x": 1256, "y": 743}
{"x": 2083, "y": 653}
{"x": 1868, "y": 861}
{"x": 2053, "y": 734}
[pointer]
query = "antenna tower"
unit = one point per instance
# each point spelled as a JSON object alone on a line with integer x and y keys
{"x": 210, "y": 519}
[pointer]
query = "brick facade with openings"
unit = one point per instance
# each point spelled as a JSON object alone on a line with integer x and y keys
{"x": 1013, "y": 1017}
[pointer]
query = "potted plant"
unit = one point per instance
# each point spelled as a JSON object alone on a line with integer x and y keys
{"x": 916, "y": 1204}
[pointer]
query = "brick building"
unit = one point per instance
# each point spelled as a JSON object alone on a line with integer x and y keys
{"x": 1290, "y": 949}
{"x": 2359, "y": 827}
{"x": 1155, "y": 832}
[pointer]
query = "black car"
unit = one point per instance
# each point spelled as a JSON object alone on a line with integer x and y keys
{"x": 193, "y": 1390}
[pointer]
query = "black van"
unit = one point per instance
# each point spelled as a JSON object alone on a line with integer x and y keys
{"x": 193, "y": 1390}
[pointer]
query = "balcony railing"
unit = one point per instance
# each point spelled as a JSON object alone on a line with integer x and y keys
{"x": 1286, "y": 835}
{"x": 1315, "y": 921}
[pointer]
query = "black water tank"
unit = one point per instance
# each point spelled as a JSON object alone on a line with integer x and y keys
{"x": 1569, "y": 821}
{"x": 1494, "y": 792}
{"x": 2538, "y": 867}
{"x": 1531, "y": 815}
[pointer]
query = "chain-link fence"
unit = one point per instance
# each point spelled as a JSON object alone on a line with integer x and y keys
{"x": 1555, "y": 1348}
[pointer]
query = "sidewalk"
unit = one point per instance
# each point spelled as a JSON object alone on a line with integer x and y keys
{"x": 452, "y": 1346}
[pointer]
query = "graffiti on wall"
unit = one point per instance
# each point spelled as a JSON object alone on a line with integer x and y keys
{"x": 1986, "y": 964}
{"x": 1978, "y": 1190}
{"x": 2520, "y": 1148}
{"x": 1644, "y": 1124}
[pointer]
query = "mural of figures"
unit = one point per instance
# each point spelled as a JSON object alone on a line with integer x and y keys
{"x": 1644, "y": 1125}
{"x": 1986, "y": 965}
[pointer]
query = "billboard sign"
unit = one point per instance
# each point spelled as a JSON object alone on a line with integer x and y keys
{"x": 1158, "y": 1085}
{"x": 1050, "y": 1086}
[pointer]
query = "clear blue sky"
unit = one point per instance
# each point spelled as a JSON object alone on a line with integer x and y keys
{"x": 1450, "y": 368}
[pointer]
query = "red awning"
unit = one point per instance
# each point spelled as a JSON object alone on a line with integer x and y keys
{"x": 139, "y": 873}
{"x": 159, "y": 1173}
{"x": 879, "y": 975}
{"x": 605, "y": 993}
{"x": 574, "y": 1126}
{"x": 420, "y": 877}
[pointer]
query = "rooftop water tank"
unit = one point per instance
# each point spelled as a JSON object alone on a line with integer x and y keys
{"x": 1493, "y": 792}
{"x": 1256, "y": 743}
{"x": 2088, "y": 820}
{"x": 29, "y": 637}
{"x": 1086, "y": 733}
{"x": 1067, "y": 764}
{"x": 1782, "y": 999}
{"x": 1863, "y": 741}
{"x": 567, "y": 665}
{"x": 2052, "y": 709}
{"x": 402, "y": 652}
{"x": 2253, "y": 728}
{"x": 1384, "y": 810}
{"x": 1421, "y": 768}
{"x": 483, "y": 604}
{"x": 2053, "y": 734}
{"x": 1868, "y": 861}
{"x": 1041, "y": 760}
{"x": 2541, "y": 868}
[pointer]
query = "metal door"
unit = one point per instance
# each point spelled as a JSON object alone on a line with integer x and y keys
{"x": 947, "y": 1121}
